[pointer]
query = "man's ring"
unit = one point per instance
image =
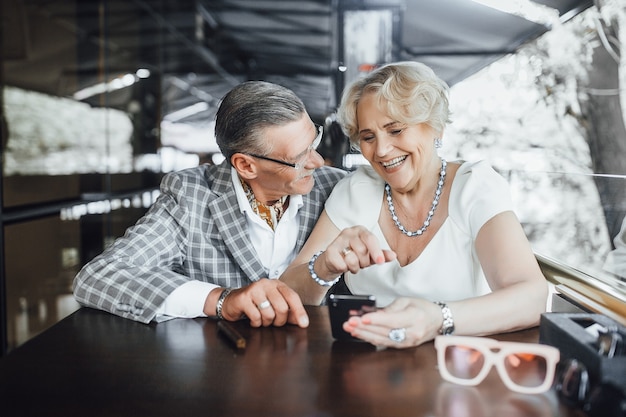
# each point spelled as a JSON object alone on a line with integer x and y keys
{"x": 397, "y": 335}
{"x": 265, "y": 304}
{"x": 345, "y": 251}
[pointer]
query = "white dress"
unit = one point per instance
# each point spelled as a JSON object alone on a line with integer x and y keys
{"x": 448, "y": 269}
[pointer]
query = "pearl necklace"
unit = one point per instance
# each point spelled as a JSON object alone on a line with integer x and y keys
{"x": 431, "y": 212}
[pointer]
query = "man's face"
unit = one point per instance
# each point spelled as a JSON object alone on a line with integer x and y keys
{"x": 293, "y": 143}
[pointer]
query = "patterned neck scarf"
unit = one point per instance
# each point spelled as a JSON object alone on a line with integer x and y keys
{"x": 271, "y": 214}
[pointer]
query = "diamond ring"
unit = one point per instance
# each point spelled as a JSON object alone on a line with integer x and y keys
{"x": 265, "y": 304}
{"x": 345, "y": 251}
{"x": 397, "y": 335}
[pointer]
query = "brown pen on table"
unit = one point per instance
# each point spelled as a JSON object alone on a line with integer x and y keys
{"x": 231, "y": 334}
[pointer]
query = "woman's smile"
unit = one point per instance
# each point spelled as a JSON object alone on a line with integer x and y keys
{"x": 395, "y": 162}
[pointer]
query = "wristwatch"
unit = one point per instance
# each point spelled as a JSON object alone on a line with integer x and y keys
{"x": 220, "y": 303}
{"x": 448, "y": 323}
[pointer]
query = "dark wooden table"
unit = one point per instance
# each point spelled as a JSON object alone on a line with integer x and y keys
{"x": 96, "y": 364}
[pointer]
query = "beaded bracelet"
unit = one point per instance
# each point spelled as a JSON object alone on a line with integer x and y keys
{"x": 317, "y": 279}
{"x": 447, "y": 326}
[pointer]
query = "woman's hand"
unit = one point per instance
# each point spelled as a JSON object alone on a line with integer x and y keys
{"x": 417, "y": 319}
{"x": 353, "y": 249}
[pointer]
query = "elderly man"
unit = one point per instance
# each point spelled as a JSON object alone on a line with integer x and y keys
{"x": 218, "y": 237}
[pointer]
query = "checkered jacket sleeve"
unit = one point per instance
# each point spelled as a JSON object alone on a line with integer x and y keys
{"x": 193, "y": 231}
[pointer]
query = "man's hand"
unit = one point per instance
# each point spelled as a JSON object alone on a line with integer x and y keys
{"x": 265, "y": 302}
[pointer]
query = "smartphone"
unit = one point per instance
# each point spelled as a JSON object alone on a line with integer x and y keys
{"x": 342, "y": 307}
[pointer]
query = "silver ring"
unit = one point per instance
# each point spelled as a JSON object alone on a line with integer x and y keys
{"x": 345, "y": 251}
{"x": 397, "y": 335}
{"x": 265, "y": 304}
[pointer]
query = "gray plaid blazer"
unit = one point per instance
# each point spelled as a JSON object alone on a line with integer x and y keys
{"x": 193, "y": 231}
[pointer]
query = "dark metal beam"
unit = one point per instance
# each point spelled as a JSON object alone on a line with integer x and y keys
{"x": 200, "y": 51}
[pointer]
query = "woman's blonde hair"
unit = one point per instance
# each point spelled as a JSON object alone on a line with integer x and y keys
{"x": 410, "y": 92}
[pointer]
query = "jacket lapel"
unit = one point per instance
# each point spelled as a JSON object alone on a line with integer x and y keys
{"x": 231, "y": 224}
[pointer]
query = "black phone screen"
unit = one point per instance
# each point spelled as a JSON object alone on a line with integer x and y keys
{"x": 342, "y": 307}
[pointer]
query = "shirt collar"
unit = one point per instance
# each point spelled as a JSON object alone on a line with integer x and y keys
{"x": 295, "y": 200}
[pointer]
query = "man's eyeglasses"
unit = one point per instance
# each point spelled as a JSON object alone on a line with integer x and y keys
{"x": 301, "y": 160}
{"x": 527, "y": 368}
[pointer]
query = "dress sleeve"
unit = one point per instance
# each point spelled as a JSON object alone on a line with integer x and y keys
{"x": 478, "y": 194}
{"x": 356, "y": 199}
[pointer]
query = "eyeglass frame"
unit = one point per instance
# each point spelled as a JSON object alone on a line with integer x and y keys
{"x": 485, "y": 345}
{"x": 297, "y": 165}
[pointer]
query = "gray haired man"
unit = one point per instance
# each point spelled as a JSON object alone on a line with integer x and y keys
{"x": 218, "y": 236}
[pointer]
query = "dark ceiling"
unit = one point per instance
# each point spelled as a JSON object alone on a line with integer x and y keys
{"x": 201, "y": 48}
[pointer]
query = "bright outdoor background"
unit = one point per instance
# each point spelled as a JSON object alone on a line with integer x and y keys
{"x": 549, "y": 119}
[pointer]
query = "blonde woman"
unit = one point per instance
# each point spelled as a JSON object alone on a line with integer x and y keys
{"x": 436, "y": 242}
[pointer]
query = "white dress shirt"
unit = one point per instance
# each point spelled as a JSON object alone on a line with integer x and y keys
{"x": 448, "y": 268}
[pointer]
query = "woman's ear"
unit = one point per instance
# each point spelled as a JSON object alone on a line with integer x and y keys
{"x": 245, "y": 165}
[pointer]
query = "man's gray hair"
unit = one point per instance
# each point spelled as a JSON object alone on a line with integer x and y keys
{"x": 249, "y": 108}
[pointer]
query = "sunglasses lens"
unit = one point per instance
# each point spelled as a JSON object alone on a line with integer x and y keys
{"x": 526, "y": 370}
{"x": 464, "y": 362}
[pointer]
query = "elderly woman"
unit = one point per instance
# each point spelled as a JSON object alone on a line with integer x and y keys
{"x": 436, "y": 242}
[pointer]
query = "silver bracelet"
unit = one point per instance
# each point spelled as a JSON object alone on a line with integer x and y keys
{"x": 220, "y": 303}
{"x": 447, "y": 326}
{"x": 317, "y": 279}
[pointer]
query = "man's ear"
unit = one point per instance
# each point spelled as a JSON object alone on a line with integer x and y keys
{"x": 245, "y": 165}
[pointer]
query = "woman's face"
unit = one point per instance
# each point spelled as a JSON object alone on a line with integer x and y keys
{"x": 400, "y": 153}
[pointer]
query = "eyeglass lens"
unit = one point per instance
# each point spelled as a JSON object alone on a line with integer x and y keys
{"x": 316, "y": 143}
{"x": 526, "y": 370}
{"x": 464, "y": 362}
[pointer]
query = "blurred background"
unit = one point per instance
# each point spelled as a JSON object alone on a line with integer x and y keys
{"x": 100, "y": 98}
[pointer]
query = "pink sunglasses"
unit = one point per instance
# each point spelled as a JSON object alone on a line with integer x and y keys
{"x": 527, "y": 368}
